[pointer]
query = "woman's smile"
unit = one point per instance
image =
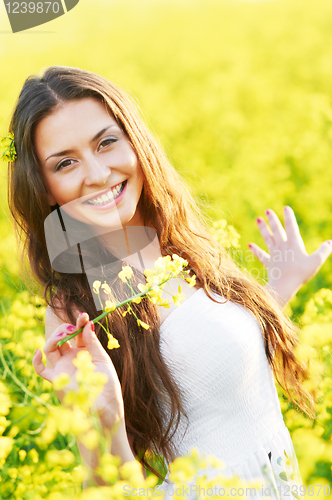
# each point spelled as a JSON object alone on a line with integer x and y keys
{"x": 89, "y": 166}
{"x": 108, "y": 198}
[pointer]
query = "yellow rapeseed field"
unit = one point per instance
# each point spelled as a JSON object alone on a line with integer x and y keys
{"x": 240, "y": 95}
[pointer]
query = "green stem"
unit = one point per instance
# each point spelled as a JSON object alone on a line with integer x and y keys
{"x": 102, "y": 308}
{"x": 102, "y": 326}
{"x": 103, "y": 314}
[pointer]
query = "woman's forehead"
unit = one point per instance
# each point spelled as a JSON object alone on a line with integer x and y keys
{"x": 72, "y": 122}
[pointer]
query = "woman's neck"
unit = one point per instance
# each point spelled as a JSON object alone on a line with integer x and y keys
{"x": 138, "y": 246}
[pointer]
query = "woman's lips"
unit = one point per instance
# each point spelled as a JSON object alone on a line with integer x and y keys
{"x": 111, "y": 203}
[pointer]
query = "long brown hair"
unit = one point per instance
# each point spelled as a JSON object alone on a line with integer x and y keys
{"x": 171, "y": 210}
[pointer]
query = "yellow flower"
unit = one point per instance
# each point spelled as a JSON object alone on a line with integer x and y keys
{"x": 164, "y": 303}
{"x": 137, "y": 300}
{"x": 5, "y": 401}
{"x": 7, "y": 146}
{"x": 109, "y": 306}
{"x": 61, "y": 381}
{"x": 155, "y": 295}
{"x": 34, "y": 455}
{"x": 192, "y": 280}
{"x": 6, "y": 445}
{"x": 126, "y": 272}
{"x": 127, "y": 311}
{"x": 64, "y": 458}
{"x": 22, "y": 454}
{"x": 129, "y": 468}
{"x": 13, "y": 431}
{"x": 3, "y": 424}
{"x": 83, "y": 361}
{"x": 96, "y": 286}
{"x": 144, "y": 325}
{"x": 106, "y": 288}
{"x": 143, "y": 288}
{"x": 112, "y": 342}
{"x": 90, "y": 439}
{"x": 108, "y": 467}
{"x": 177, "y": 298}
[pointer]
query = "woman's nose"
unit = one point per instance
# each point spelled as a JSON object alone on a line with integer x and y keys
{"x": 96, "y": 172}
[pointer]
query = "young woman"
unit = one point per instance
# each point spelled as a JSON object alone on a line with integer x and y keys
{"x": 201, "y": 375}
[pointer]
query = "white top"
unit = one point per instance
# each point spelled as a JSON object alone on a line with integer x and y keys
{"x": 217, "y": 356}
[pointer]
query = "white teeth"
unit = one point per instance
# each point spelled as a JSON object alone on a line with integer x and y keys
{"x": 106, "y": 197}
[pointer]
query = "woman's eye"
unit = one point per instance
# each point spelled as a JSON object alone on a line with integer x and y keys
{"x": 64, "y": 163}
{"x": 106, "y": 143}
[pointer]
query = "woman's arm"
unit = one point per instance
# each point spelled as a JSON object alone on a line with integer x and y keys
{"x": 288, "y": 264}
{"x": 120, "y": 443}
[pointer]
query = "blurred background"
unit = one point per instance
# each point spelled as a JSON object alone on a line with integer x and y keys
{"x": 239, "y": 93}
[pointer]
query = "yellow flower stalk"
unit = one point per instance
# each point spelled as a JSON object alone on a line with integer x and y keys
{"x": 125, "y": 274}
{"x": 165, "y": 269}
{"x": 178, "y": 298}
{"x": 112, "y": 342}
{"x": 109, "y": 306}
{"x": 191, "y": 281}
{"x": 106, "y": 288}
{"x": 96, "y": 286}
{"x": 144, "y": 325}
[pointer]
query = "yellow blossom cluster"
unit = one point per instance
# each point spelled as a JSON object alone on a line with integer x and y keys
{"x": 50, "y": 471}
{"x": 225, "y": 234}
{"x": 7, "y": 148}
{"x": 165, "y": 268}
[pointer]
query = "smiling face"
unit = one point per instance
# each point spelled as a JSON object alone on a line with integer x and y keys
{"x": 90, "y": 168}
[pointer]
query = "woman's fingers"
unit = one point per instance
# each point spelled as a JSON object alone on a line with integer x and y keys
{"x": 279, "y": 233}
{"x": 266, "y": 233}
{"x": 40, "y": 368}
{"x": 51, "y": 349}
{"x": 292, "y": 227}
{"x": 259, "y": 253}
{"x": 322, "y": 253}
{"x": 93, "y": 345}
{"x": 81, "y": 321}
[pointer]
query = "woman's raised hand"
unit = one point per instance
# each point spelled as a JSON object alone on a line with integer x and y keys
{"x": 288, "y": 264}
{"x": 109, "y": 404}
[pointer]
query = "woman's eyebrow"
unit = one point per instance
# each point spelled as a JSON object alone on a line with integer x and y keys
{"x": 102, "y": 132}
{"x": 68, "y": 151}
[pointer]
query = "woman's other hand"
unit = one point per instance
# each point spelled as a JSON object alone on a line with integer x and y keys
{"x": 288, "y": 264}
{"x": 109, "y": 404}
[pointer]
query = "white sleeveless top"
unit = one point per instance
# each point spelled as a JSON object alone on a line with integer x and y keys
{"x": 217, "y": 356}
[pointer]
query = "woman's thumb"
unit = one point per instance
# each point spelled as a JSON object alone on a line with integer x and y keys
{"x": 91, "y": 341}
{"x": 324, "y": 251}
